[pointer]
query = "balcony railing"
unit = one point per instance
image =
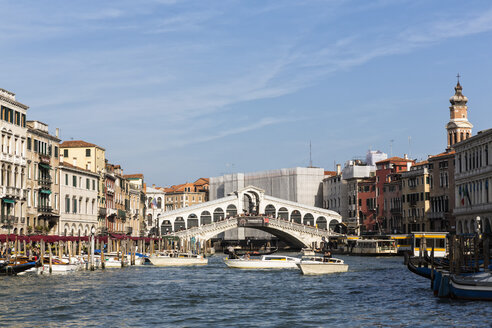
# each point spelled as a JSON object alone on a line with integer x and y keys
{"x": 122, "y": 214}
{"x": 45, "y": 182}
{"x": 44, "y": 209}
{"x": 102, "y": 211}
{"x": 12, "y": 192}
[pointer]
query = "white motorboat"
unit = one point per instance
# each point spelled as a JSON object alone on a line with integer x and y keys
{"x": 113, "y": 260}
{"x": 264, "y": 262}
{"x": 315, "y": 265}
{"x": 177, "y": 259}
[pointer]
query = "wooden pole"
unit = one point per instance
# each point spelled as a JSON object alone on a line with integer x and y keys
{"x": 486, "y": 252}
{"x": 51, "y": 259}
{"x": 42, "y": 252}
{"x": 122, "y": 257}
{"x": 69, "y": 246}
{"x": 103, "y": 264}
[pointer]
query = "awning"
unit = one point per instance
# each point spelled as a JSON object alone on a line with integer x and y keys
{"x": 45, "y": 191}
{"x": 45, "y": 166}
{"x": 8, "y": 200}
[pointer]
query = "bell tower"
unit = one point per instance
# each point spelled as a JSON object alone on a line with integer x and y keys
{"x": 458, "y": 128}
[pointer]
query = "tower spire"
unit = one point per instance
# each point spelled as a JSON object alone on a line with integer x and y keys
{"x": 458, "y": 127}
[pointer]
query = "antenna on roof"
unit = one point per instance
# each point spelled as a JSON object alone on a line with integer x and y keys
{"x": 310, "y": 158}
{"x": 409, "y": 146}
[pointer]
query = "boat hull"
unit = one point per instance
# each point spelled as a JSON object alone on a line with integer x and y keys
{"x": 177, "y": 261}
{"x": 322, "y": 268}
{"x": 259, "y": 264}
{"x": 473, "y": 287}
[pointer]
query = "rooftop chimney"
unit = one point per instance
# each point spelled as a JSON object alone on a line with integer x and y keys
{"x": 57, "y": 133}
{"x": 405, "y": 156}
{"x": 339, "y": 169}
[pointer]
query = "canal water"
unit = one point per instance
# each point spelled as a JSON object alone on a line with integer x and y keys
{"x": 376, "y": 292}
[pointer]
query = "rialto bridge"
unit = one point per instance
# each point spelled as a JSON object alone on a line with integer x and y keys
{"x": 299, "y": 224}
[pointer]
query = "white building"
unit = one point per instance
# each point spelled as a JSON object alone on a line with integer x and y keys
{"x": 473, "y": 183}
{"x": 78, "y": 200}
{"x": 300, "y": 184}
{"x": 13, "y": 191}
{"x": 154, "y": 199}
{"x": 335, "y": 191}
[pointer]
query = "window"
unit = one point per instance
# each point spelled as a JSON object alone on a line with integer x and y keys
{"x": 35, "y": 145}
{"x": 87, "y": 184}
{"x": 67, "y": 205}
{"x": 74, "y": 205}
{"x": 74, "y": 181}
{"x": 88, "y": 152}
{"x": 65, "y": 152}
{"x": 93, "y": 184}
{"x": 66, "y": 179}
{"x": 28, "y": 143}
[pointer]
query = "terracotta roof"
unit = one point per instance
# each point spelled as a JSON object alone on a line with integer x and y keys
{"x": 330, "y": 173}
{"x": 77, "y": 144}
{"x": 134, "y": 176}
{"x": 421, "y": 163}
{"x": 452, "y": 152}
{"x": 201, "y": 181}
{"x": 395, "y": 159}
{"x": 65, "y": 164}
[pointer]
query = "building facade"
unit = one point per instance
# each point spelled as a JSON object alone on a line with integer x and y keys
{"x": 442, "y": 198}
{"x": 185, "y": 195}
{"x": 137, "y": 203}
{"x": 385, "y": 171}
{"x": 13, "y": 191}
{"x": 43, "y": 205}
{"x": 473, "y": 183}
{"x": 155, "y": 198}
{"x": 78, "y": 200}
{"x": 416, "y": 197}
{"x": 92, "y": 158}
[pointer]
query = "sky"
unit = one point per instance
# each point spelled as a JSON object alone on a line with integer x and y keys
{"x": 179, "y": 90}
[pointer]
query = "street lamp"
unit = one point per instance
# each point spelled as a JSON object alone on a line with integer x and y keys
{"x": 93, "y": 232}
{"x": 478, "y": 225}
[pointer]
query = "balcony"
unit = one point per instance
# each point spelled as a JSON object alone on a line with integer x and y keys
{"x": 110, "y": 190}
{"x": 12, "y": 192}
{"x": 45, "y": 182}
{"x": 111, "y": 211}
{"x": 102, "y": 211}
{"x": 122, "y": 214}
{"x": 44, "y": 209}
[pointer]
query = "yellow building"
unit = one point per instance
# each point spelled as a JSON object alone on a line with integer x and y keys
{"x": 416, "y": 186}
{"x": 92, "y": 158}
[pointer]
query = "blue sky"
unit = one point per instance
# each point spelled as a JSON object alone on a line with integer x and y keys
{"x": 179, "y": 90}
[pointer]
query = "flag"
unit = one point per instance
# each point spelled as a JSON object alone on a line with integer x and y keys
{"x": 467, "y": 194}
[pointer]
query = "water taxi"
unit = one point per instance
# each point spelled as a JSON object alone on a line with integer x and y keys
{"x": 315, "y": 265}
{"x": 426, "y": 241}
{"x": 177, "y": 259}
{"x": 264, "y": 262}
{"x": 375, "y": 247}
